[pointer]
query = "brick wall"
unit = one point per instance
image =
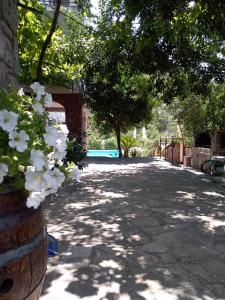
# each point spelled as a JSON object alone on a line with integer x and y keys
{"x": 8, "y": 43}
{"x": 76, "y": 115}
{"x": 173, "y": 153}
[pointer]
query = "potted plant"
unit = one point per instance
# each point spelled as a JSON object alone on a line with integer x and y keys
{"x": 31, "y": 167}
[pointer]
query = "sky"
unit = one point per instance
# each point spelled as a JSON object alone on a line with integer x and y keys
{"x": 95, "y": 9}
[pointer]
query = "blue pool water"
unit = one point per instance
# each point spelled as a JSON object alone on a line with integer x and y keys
{"x": 103, "y": 153}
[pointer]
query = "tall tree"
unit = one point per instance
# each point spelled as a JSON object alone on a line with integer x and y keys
{"x": 173, "y": 36}
{"x": 117, "y": 95}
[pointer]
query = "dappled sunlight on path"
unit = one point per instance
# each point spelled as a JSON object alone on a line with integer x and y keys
{"x": 137, "y": 229}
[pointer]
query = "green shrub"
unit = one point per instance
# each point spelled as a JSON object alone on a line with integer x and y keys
{"x": 110, "y": 143}
{"x": 94, "y": 143}
{"x": 128, "y": 142}
{"x": 75, "y": 154}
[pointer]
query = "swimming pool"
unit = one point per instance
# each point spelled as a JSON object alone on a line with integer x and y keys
{"x": 103, "y": 153}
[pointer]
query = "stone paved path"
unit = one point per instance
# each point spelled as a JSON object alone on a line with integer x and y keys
{"x": 137, "y": 229}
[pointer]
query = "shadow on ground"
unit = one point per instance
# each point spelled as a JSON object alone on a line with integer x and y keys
{"x": 137, "y": 229}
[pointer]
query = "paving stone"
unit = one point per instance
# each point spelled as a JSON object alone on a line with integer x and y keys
{"x": 137, "y": 229}
{"x": 76, "y": 255}
{"x": 155, "y": 247}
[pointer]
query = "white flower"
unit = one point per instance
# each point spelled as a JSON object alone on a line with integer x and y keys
{"x": 38, "y": 97}
{"x": 35, "y": 199}
{"x": 8, "y": 120}
{"x": 38, "y": 159}
{"x": 50, "y": 162}
{"x": 60, "y": 145}
{"x": 34, "y": 181}
{"x": 3, "y": 171}
{"x": 58, "y": 155}
{"x": 21, "y": 92}
{"x": 18, "y": 140}
{"x": 51, "y": 135}
{"x": 62, "y": 136}
{"x": 75, "y": 173}
{"x": 54, "y": 178}
{"x": 48, "y": 100}
{"x": 50, "y": 191}
{"x": 63, "y": 128}
{"x": 38, "y": 108}
{"x": 38, "y": 88}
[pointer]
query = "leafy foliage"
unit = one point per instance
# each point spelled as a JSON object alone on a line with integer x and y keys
{"x": 201, "y": 113}
{"x": 75, "y": 154}
{"x": 63, "y": 57}
{"x": 128, "y": 142}
{"x": 117, "y": 95}
{"x": 172, "y": 39}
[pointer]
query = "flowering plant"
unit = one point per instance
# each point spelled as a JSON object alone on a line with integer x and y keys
{"x": 31, "y": 149}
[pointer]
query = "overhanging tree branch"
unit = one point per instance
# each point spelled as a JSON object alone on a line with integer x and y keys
{"x": 40, "y": 12}
{"x": 48, "y": 40}
{"x": 33, "y": 9}
{"x": 68, "y": 16}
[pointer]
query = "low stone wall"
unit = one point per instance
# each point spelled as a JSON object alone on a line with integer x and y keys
{"x": 199, "y": 155}
{"x": 9, "y": 67}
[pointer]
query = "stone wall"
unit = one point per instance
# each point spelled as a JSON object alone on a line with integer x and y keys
{"x": 218, "y": 142}
{"x": 199, "y": 156}
{"x": 8, "y": 43}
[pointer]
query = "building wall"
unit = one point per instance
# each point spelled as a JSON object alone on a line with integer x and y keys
{"x": 76, "y": 115}
{"x": 201, "y": 154}
{"x": 9, "y": 67}
{"x": 218, "y": 142}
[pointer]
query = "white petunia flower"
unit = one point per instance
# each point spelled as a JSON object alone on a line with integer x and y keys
{"x": 34, "y": 181}
{"x": 54, "y": 178}
{"x": 60, "y": 145}
{"x": 38, "y": 88}
{"x": 50, "y": 191}
{"x": 51, "y": 135}
{"x": 62, "y": 136}
{"x": 35, "y": 199}
{"x": 8, "y": 120}
{"x": 75, "y": 173}
{"x": 35, "y": 86}
{"x": 63, "y": 128}
{"x": 21, "y": 92}
{"x": 58, "y": 155}
{"x": 48, "y": 100}
{"x": 50, "y": 162}
{"x": 38, "y": 108}
{"x": 3, "y": 171}
{"x": 18, "y": 140}
{"x": 38, "y": 159}
{"x": 38, "y": 97}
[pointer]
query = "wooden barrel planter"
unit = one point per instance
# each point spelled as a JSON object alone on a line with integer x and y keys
{"x": 23, "y": 248}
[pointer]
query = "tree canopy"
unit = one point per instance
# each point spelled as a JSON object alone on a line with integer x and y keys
{"x": 61, "y": 62}
{"x": 168, "y": 38}
{"x": 137, "y": 54}
{"x": 116, "y": 94}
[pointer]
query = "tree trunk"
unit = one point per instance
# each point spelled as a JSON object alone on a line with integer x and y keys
{"x": 118, "y": 141}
